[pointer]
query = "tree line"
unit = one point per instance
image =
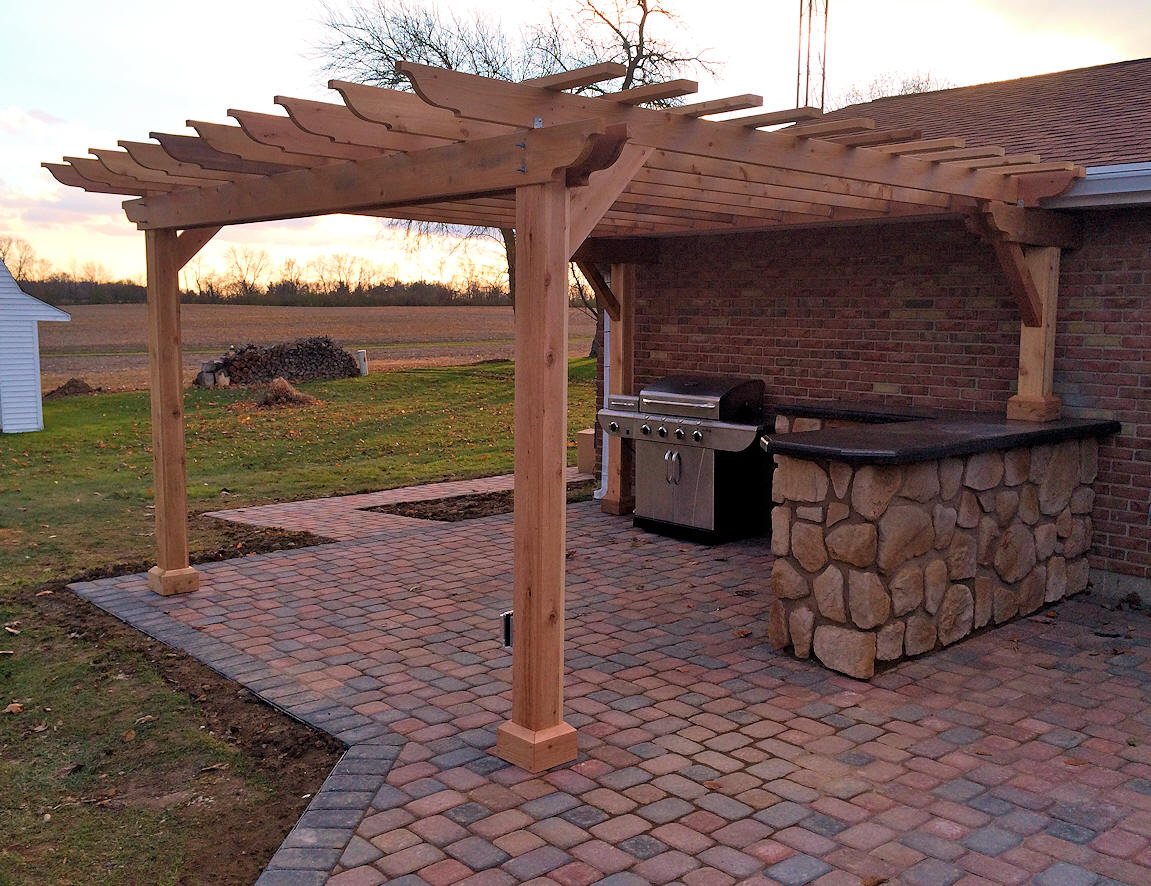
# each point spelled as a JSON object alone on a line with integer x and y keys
{"x": 328, "y": 281}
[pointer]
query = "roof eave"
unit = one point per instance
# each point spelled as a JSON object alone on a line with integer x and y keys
{"x": 1121, "y": 184}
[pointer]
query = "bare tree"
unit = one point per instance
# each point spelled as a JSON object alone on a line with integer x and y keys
{"x": 246, "y": 268}
{"x": 368, "y": 40}
{"x": 20, "y": 258}
{"x": 890, "y": 84}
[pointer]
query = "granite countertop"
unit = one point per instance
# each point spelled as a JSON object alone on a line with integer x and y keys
{"x": 896, "y": 441}
{"x": 867, "y": 413}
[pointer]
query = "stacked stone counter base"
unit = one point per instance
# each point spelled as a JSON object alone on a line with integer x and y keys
{"x": 877, "y": 563}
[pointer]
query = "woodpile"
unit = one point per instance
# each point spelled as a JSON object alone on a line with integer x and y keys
{"x": 306, "y": 359}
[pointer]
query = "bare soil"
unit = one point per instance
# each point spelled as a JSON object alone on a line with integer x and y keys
{"x": 231, "y": 844}
{"x": 107, "y": 345}
{"x": 470, "y": 507}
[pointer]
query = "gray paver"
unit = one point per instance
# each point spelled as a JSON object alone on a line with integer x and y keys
{"x": 1064, "y": 874}
{"x": 798, "y": 870}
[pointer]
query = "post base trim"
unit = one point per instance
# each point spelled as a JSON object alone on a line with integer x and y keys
{"x": 536, "y": 750}
{"x": 617, "y": 506}
{"x": 168, "y": 582}
{"x": 1034, "y": 408}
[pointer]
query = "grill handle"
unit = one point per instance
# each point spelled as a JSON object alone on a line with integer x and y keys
{"x": 672, "y": 467}
{"x": 680, "y": 403}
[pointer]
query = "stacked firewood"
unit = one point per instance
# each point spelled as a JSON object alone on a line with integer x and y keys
{"x": 306, "y": 359}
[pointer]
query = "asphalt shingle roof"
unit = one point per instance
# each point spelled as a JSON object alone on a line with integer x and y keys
{"x": 1092, "y": 116}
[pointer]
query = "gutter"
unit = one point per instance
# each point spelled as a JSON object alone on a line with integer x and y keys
{"x": 1123, "y": 184}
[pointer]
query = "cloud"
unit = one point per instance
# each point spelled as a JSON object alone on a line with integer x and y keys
{"x": 20, "y": 120}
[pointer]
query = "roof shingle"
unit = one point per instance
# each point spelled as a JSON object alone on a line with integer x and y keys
{"x": 1091, "y": 116}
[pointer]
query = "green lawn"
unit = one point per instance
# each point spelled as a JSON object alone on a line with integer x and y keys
{"x": 78, "y": 494}
{"x": 114, "y": 768}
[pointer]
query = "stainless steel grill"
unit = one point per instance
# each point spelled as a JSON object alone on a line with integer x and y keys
{"x": 698, "y": 470}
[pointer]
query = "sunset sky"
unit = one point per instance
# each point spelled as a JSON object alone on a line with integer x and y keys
{"x": 79, "y": 75}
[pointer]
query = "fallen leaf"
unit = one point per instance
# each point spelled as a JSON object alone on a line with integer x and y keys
{"x": 14, "y": 708}
{"x": 1074, "y": 761}
{"x": 129, "y": 735}
{"x": 11, "y": 630}
{"x": 712, "y": 785}
{"x": 874, "y": 881}
{"x": 1132, "y": 742}
{"x": 43, "y": 727}
{"x": 43, "y": 593}
{"x": 147, "y": 718}
{"x": 742, "y": 632}
{"x": 65, "y": 771}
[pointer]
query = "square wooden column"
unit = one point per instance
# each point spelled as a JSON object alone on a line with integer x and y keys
{"x": 171, "y": 574}
{"x": 620, "y": 495}
{"x": 1036, "y": 400}
{"x": 536, "y": 737}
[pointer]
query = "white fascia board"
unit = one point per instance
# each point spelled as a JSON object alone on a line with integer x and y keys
{"x": 1124, "y": 184}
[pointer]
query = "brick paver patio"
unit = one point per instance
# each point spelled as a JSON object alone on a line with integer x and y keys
{"x": 1018, "y": 756}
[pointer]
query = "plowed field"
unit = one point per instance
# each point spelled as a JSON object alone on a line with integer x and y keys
{"x": 107, "y": 345}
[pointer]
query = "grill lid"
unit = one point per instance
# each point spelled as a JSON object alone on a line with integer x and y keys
{"x": 715, "y": 397}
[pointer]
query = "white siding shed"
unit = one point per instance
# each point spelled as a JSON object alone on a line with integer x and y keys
{"x": 20, "y": 402}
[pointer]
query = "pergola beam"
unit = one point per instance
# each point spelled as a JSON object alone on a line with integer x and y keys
{"x": 405, "y": 112}
{"x": 154, "y": 157}
{"x": 796, "y": 149}
{"x": 282, "y": 133}
{"x": 719, "y": 105}
{"x": 338, "y": 123}
{"x": 654, "y": 92}
{"x": 194, "y": 150}
{"x": 484, "y": 166}
{"x": 579, "y": 77}
{"x": 776, "y": 118}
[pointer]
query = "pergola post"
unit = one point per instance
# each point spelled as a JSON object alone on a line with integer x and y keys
{"x": 620, "y": 495}
{"x": 536, "y": 737}
{"x": 1036, "y": 400}
{"x": 171, "y": 574}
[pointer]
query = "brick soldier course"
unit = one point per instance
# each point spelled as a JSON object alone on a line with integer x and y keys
{"x": 1018, "y": 755}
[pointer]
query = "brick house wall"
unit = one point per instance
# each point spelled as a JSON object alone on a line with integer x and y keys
{"x": 917, "y": 314}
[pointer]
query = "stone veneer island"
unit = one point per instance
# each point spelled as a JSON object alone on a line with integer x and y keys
{"x": 896, "y": 539}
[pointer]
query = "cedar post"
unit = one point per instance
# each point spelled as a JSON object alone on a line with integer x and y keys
{"x": 1036, "y": 400}
{"x": 536, "y": 737}
{"x": 171, "y": 574}
{"x": 620, "y": 495}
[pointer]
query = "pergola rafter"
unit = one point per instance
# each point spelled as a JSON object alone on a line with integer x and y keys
{"x": 578, "y": 175}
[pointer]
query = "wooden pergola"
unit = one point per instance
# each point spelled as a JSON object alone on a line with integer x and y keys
{"x": 577, "y": 176}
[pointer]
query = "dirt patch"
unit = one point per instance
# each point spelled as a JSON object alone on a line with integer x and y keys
{"x": 73, "y": 387}
{"x": 470, "y": 507}
{"x": 231, "y": 844}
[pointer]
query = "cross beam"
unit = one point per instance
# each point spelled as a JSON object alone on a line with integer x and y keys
{"x": 484, "y": 100}
{"x": 486, "y": 166}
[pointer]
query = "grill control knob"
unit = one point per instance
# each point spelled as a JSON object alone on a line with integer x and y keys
{"x": 613, "y": 426}
{"x": 679, "y": 433}
{"x": 697, "y": 436}
{"x": 646, "y": 429}
{"x": 662, "y": 431}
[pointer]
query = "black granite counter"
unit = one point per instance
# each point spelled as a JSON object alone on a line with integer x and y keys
{"x": 897, "y": 441}
{"x": 865, "y": 413}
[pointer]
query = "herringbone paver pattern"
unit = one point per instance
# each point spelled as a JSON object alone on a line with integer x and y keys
{"x": 1022, "y": 755}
